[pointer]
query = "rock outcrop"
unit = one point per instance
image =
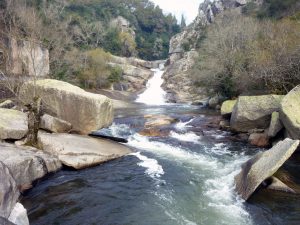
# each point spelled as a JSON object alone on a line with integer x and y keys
{"x": 27, "y": 164}
{"x": 251, "y": 112}
{"x": 85, "y": 111}
{"x": 275, "y": 125}
{"x": 290, "y": 112}
{"x": 55, "y": 125}
{"x": 13, "y": 124}
{"x": 81, "y": 152}
{"x": 263, "y": 166}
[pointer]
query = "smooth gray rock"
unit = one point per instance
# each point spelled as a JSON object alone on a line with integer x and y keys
{"x": 263, "y": 166}
{"x": 252, "y": 112}
{"x": 13, "y": 124}
{"x": 27, "y": 164}
{"x": 81, "y": 152}
{"x": 9, "y": 192}
{"x": 55, "y": 125}
{"x": 8, "y": 104}
{"x": 275, "y": 125}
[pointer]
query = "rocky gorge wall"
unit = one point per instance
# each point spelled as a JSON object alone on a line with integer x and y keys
{"x": 182, "y": 52}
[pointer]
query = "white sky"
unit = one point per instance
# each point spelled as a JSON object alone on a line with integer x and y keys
{"x": 189, "y": 8}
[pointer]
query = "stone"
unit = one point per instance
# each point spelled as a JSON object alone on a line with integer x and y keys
{"x": 13, "y": 124}
{"x": 259, "y": 140}
{"x": 252, "y": 112}
{"x": 9, "y": 192}
{"x": 85, "y": 111}
{"x": 262, "y": 166}
{"x": 278, "y": 185}
{"x": 8, "y": 104}
{"x": 55, "y": 125}
{"x": 224, "y": 125}
{"x": 227, "y": 108}
{"x": 290, "y": 112}
{"x": 27, "y": 164}
{"x": 80, "y": 152}
{"x": 275, "y": 125}
{"x": 154, "y": 132}
{"x": 4, "y": 221}
{"x": 19, "y": 215}
{"x": 158, "y": 120}
{"x": 214, "y": 101}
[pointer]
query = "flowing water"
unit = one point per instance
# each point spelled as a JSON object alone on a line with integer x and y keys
{"x": 185, "y": 178}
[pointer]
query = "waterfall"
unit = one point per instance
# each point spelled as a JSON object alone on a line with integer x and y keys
{"x": 154, "y": 94}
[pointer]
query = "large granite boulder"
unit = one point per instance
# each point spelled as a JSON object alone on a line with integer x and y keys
{"x": 263, "y": 166}
{"x": 9, "y": 192}
{"x": 254, "y": 112}
{"x": 290, "y": 112}
{"x": 227, "y": 108}
{"x": 27, "y": 164}
{"x": 85, "y": 111}
{"x": 13, "y": 124}
{"x": 55, "y": 125}
{"x": 81, "y": 152}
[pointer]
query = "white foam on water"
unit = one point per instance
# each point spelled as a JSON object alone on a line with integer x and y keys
{"x": 186, "y": 137}
{"x": 153, "y": 169}
{"x": 169, "y": 152}
{"x": 219, "y": 149}
{"x": 154, "y": 94}
{"x": 181, "y": 126}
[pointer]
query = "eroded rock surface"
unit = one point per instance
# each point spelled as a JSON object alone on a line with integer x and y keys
{"x": 55, "y": 125}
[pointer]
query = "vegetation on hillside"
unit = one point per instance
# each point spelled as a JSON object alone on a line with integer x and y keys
{"x": 245, "y": 54}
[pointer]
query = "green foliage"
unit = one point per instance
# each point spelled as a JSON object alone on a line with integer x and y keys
{"x": 115, "y": 75}
{"x": 186, "y": 46}
{"x": 278, "y": 8}
{"x": 250, "y": 9}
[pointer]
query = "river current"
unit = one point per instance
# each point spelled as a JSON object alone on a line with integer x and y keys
{"x": 185, "y": 178}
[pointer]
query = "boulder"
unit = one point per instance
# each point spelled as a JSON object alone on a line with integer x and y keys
{"x": 9, "y": 192}
{"x": 259, "y": 140}
{"x": 81, "y": 152}
{"x": 275, "y": 125}
{"x": 4, "y": 221}
{"x": 290, "y": 112}
{"x": 8, "y": 104}
{"x": 227, "y": 108}
{"x": 85, "y": 111}
{"x": 158, "y": 120}
{"x": 27, "y": 164}
{"x": 252, "y": 112}
{"x": 263, "y": 166}
{"x": 13, "y": 124}
{"x": 215, "y": 101}
{"x": 55, "y": 125}
{"x": 154, "y": 132}
{"x": 19, "y": 215}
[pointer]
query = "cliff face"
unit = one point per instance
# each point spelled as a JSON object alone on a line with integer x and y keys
{"x": 182, "y": 53}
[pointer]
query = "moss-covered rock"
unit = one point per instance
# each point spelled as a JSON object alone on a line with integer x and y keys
{"x": 227, "y": 107}
{"x": 290, "y": 112}
{"x": 251, "y": 112}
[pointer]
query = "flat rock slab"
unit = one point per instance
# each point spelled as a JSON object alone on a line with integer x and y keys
{"x": 262, "y": 166}
{"x": 27, "y": 164}
{"x": 79, "y": 151}
{"x": 13, "y": 124}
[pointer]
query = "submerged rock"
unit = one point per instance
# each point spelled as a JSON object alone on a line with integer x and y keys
{"x": 227, "y": 108}
{"x": 55, "y": 125}
{"x": 27, "y": 164}
{"x": 252, "y": 112}
{"x": 81, "y": 152}
{"x": 290, "y": 112}
{"x": 13, "y": 124}
{"x": 158, "y": 120}
{"x": 263, "y": 166}
{"x": 85, "y": 111}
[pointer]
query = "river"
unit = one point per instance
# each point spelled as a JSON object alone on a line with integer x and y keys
{"x": 185, "y": 178}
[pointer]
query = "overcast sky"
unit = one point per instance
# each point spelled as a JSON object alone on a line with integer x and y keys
{"x": 189, "y": 8}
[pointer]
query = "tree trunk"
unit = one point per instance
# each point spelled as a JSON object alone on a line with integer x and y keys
{"x": 34, "y": 116}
